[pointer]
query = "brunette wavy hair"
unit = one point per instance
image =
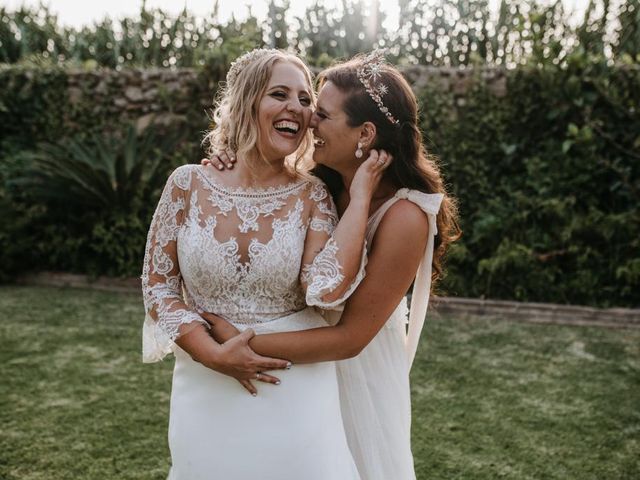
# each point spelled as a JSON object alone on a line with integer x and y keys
{"x": 412, "y": 166}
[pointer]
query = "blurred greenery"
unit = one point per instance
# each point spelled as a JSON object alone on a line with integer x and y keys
{"x": 546, "y": 173}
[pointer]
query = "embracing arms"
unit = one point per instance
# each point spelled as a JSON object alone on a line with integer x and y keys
{"x": 394, "y": 258}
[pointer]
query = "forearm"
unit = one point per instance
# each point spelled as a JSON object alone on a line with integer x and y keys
{"x": 308, "y": 346}
{"x": 349, "y": 237}
{"x": 199, "y": 344}
{"x": 221, "y": 330}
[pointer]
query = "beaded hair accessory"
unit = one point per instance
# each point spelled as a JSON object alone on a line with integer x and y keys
{"x": 369, "y": 74}
{"x": 243, "y": 61}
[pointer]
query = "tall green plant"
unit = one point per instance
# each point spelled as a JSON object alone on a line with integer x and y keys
{"x": 119, "y": 171}
{"x": 88, "y": 200}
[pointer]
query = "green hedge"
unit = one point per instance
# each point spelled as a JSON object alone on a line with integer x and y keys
{"x": 548, "y": 184}
{"x": 546, "y": 176}
{"x": 57, "y": 155}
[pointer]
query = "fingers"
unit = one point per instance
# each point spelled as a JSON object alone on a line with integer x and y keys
{"x": 266, "y": 363}
{"x": 228, "y": 157}
{"x": 208, "y": 317}
{"x": 220, "y": 160}
{"x": 266, "y": 378}
{"x": 214, "y": 161}
{"x": 249, "y": 387}
{"x": 373, "y": 155}
{"x": 384, "y": 159}
{"x": 379, "y": 158}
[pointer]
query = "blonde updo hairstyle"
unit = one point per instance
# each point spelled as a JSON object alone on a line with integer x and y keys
{"x": 235, "y": 114}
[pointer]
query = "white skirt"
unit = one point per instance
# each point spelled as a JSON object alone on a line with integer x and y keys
{"x": 376, "y": 403}
{"x": 292, "y": 431}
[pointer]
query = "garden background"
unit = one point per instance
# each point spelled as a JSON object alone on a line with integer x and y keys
{"x": 534, "y": 120}
{"x": 544, "y": 165}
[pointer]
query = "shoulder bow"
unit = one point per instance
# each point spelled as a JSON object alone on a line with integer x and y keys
{"x": 430, "y": 204}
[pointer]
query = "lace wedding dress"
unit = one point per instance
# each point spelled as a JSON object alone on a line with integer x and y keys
{"x": 374, "y": 386}
{"x": 239, "y": 253}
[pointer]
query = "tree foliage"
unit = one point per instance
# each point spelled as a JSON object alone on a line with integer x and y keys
{"x": 431, "y": 32}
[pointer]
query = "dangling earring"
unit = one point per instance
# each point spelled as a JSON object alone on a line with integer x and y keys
{"x": 359, "y": 150}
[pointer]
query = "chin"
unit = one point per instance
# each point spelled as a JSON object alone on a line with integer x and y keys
{"x": 281, "y": 152}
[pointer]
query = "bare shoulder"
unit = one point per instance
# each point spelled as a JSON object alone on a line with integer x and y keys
{"x": 405, "y": 217}
{"x": 404, "y": 226}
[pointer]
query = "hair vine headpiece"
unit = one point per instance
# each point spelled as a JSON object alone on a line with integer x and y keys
{"x": 244, "y": 60}
{"x": 369, "y": 74}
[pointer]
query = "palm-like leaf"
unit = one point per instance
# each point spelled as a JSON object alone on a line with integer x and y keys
{"x": 100, "y": 172}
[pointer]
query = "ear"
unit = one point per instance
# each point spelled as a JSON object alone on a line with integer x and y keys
{"x": 367, "y": 134}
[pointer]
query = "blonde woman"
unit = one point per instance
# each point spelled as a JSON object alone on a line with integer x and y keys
{"x": 254, "y": 246}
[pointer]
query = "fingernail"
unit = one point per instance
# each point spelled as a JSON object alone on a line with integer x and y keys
{"x": 254, "y": 394}
{"x": 219, "y": 167}
{"x": 229, "y": 165}
{"x": 288, "y": 365}
{"x": 278, "y": 382}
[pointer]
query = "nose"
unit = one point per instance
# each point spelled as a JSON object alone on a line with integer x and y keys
{"x": 294, "y": 106}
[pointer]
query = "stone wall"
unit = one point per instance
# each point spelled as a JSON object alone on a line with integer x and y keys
{"x": 456, "y": 80}
{"x": 166, "y": 97}
{"x": 155, "y": 96}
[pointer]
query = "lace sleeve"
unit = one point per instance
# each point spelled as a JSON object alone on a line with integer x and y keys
{"x": 166, "y": 314}
{"x": 322, "y": 274}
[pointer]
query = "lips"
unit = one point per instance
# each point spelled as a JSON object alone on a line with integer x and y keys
{"x": 318, "y": 142}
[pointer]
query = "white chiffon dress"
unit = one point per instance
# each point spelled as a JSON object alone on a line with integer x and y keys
{"x": 248, "y": 256}
{"x": 374, "y": 386}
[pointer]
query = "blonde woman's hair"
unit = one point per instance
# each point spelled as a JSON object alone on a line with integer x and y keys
{"x": 235, "y": 114}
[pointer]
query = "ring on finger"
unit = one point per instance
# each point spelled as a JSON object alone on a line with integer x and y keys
{"x": 258, "y": 376}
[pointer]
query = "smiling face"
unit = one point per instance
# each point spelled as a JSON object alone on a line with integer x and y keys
{"x": 334, "y": 139}
{"x": 284, "y": 111}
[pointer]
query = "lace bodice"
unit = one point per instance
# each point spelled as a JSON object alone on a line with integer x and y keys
{"x": 247, "y": 255}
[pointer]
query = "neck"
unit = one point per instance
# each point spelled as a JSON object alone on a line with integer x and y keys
{"x": 254, "y": 172}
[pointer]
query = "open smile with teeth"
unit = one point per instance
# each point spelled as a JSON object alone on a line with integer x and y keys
{"x": 318, "y": 142}
{"x": 287, "y": 126}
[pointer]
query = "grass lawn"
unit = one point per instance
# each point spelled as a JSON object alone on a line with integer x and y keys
{"x": 491, "y": 399}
